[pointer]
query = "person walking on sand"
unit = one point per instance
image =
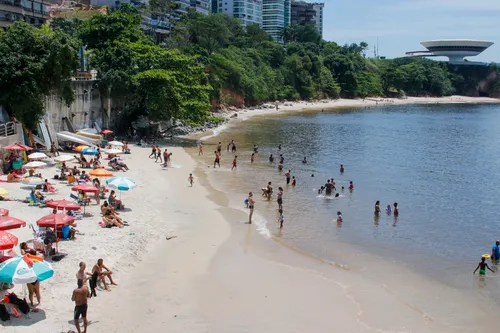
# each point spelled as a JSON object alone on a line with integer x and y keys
{"x": 280, "y": 198}
{"x": 482, "y": 267}
{"x": 234, "y": 163}
{"x": 217, "y": 159}
{"x": 252, "y": 158}
{"x": 165, "y": 157}
{"x": 153, "y": 151}
{"x": 200, "y": 149}
{"x": 190, "y": 179}
{"x": 80, "y": 296}
{"x": 288, "y": 176}
{"x": 158, "y": 154}
{"x": 251, "y": 206}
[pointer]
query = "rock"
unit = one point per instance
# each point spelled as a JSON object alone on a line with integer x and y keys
{"x": 234, "y": 115}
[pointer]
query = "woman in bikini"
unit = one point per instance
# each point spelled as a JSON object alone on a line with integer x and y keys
{"x": 251, "y": 205}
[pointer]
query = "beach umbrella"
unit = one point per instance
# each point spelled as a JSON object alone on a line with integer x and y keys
{"x": 34, "y": 165}
{"x": 23, "y": 270}
{"x": 80, "y": 148}
{"x": 121, "y": 184}
{"x": 4, "y": 212}
{"x": 55, "y": 221}
{"x": 32, "y": 181}
{"x": 101, "y": 172}
{"x": 85, "y": 188}
{"x": 115, "y": 143}
{"x": 7, "y": 223}
{"x": 3, "y": 192}
{"x": 89, "y": 151}
{"x": 113, "y": 151}
{"x": 17, "y": 146}
{"x": 63, "y": 204}
{"x": 64, "y": 158}
{"x": 7, "y": 241}
{"x": 37, "y": 156}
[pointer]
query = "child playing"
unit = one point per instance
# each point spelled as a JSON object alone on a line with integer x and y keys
{"x": 281, "y": 218}
{"x": 190, "y": 179}
{"x": 339, "y": 217}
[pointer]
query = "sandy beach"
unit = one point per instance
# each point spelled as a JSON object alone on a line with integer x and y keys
{"x": 215, "y": 273}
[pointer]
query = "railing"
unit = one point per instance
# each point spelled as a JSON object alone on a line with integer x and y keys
{"x": 7, "y": 129}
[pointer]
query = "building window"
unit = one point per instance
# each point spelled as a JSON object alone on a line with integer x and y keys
{"x": 32, "y": 20}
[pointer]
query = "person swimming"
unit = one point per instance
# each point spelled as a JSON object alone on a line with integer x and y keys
{"x": 342, "y": 188}
{"x": 482, "y": 267}
{"x": 337, "y": 195}
{"x": 304, "y": 161}
{"x": 279, "y": 147}
{"x": 339, "y": 217}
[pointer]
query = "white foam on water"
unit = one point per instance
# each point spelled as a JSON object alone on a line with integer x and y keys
{"x": 261, "y": 227}
{"x": 216, "y": 131}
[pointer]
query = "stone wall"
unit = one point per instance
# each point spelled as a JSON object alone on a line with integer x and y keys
{"x": 82, "y": 112}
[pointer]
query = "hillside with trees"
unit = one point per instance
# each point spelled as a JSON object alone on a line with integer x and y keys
{"x": 207, "y": 61}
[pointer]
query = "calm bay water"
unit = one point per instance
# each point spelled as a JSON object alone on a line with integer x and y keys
{"x": 439, "y": 162}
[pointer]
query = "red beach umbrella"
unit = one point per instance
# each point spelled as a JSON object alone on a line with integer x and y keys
{"x": 106, "y": 132}
{"x": 7, "y": 223}
{"x": 55, "y": 221}
{"x": 4, "y": 212}
{"x": 7, "y": 241}
{"x": 17, "y": 146}
{"x": 63, "y": 204}
{"x": 85, "y": 188}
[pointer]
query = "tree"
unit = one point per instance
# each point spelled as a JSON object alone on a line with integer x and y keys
{"x": 35, "y": 63}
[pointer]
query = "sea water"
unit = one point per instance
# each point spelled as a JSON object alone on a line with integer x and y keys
{"x": 440, "y": 163}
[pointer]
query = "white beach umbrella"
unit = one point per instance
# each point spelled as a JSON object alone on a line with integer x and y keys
{"x": 37, "y": 156}
{"x": 115, "y": 143}
{"x": 64, "y": 158}
{"x": 113, "y": 151}
{"x": 34, "y": 165}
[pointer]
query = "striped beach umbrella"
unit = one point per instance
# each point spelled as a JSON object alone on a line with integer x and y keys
{"x": 24, "y": 270}
{"x": 121, "y": 184}
{"x": 80, "y": 148}
{"x": 33, "y": 181}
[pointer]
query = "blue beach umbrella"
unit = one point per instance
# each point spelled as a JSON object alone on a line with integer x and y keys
{"x": 24, "y": 270}
{"x": 121, "y": 184}
{"x": 89, "y": 151}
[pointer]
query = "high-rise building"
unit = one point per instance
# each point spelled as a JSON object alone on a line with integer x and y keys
{"x": 273, "y": 18}
{"x": 303, "y": 13}
{"x": 34, "y": 12}
{"x": 248, "y": 11}
{"x": 201, "y": 6}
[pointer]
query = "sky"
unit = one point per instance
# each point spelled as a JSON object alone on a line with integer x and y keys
{"x": 401, "y": 25}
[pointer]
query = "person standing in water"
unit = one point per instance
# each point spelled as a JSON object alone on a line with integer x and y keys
{"x": 282, "y": 159}
{"x": 234, "y": 163}
{"x": 482, "y": 267}
{"x": 288, "y": 175}
{"x": 304, "y": 161}
{"x": 217, "y": 158}
{"x": 280, "y": 198}
{"x": 293, "y": 181}
{"x": 339, "y": 217}
{"x": 388, "y": 210}
{"x": 351, "y": 186}
{"x": 396, "y": 209}
{"x": 229, "y": 145}
{"x": 377, "y": 208}
{"x": 251, "y": 206}
{"x": 233, "y": 147}
{"x": 269, "y": 191}
{"x": 271, "y": 158}
{"x": 495, "y": 251}
{"x": 281, "y": 219}
{"x": 200, "y": 149}
{"x": 341, "y": 168}
{"x": 279, "y": 147}
{"x": 252, "y": 158}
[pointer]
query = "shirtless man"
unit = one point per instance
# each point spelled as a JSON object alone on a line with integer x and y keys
{"x": 153, "y": 151}
{"x": 219, "y": 147}
{"x": 103, "y": 273}
{"x": 82, "y": 274}
{"x": 158, "y": 154}
{"x": 80, "y": 296}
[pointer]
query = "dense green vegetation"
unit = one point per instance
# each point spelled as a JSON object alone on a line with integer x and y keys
{"x": 207, "y": 61}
